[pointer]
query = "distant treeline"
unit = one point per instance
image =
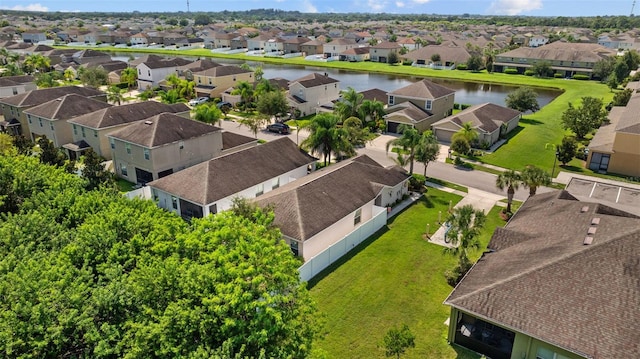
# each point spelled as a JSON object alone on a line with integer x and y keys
{"x": 257, "y": 15}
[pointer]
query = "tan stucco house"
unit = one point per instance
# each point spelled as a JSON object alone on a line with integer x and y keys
{"x": 214, "y": 81}
{"x": 15, "y": 85}
{"x": 312, "y": 91}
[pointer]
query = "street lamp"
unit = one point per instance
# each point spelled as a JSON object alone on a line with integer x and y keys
{"x": 554, "y": 163}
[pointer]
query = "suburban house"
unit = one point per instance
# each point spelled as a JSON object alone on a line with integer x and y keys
{"x": 34, "y": 36}
{"x": 408, "y": 43}
{"x": 438, "y": 56}
{"x": 219, "y": 39}
{"x": 50, "y": 118}
{"x": 160, "y": 145}
{"x": 338, "y": 46}
{"x": 257, "y": 43}
{"x": 15, "y": 120}
{"x": 139, "y": 39}
{"x": 615, "y": 148}
{"x": 310, "y": 92}
{"x": 274, "y": 45}
{"x": 214, "y": 81}
{"x": 564, "y": 58}
{"x": 151, "y": 72}
{"x": 210, "y": 187}
{"x": 14, "y": 85}
{"x": 91, "y": 130}
{"x": 356, "y": 54}
{"x": 381, "y": 52}
{"x": 491, "y": 121}
{"x": 319, "y": 210}
{"x": 187, "y": 70}
{"x": 538, "y": 40}
{"x": 313, "y": 47}
{"x": 89, "y": 56}
{"x": 294, "y": 44}
{"x": 559, "y": 281}
{"x": 420, "y": 105}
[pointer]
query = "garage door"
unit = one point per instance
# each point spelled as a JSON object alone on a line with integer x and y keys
{"x": 392, "y": 127}
{"x": 443, "y": 135}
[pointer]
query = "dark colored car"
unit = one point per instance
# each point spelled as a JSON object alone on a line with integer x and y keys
{"x": 278, "y": 127}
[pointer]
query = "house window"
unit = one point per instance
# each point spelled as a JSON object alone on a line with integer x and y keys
{"x": 127, "y": 146}
{"x": 123, "y": 170}
{"x": 259, "y": 189}
{"x": 599, "y": 161}
{"x": 51, "y": 126}
{"x": 149, "y": 72}
{"x": 147, "y": 155}
{"x": 181, "y": 144}
{"x": 427, "y": 105}
{"x": 358, "y": 217}
{"x": 294, "y": 248}
{"x": 28, "y": 117}
{"x": 75, "y": 130}
{"x": 200, "y": 80}
{"x": 209, "y": 81}
{"x": 95, "y": 133}
{"x": 213, "y": 209}
{"x": 15, "y": 90}
{"x": 112, "y": 142}
{"x": 139, "y": 72}
{"x": 234, "y": 78}
{"x": 40, "y": 122}
{"x": 82, "y": 129}
{"x": 174, "y": 202}
{"x": 155, "y": 194}
{"x": 275, "y": 183}
{"x": 391, "y": 100}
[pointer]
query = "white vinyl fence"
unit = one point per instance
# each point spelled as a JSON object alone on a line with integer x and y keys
{"x": 321, "y": 261}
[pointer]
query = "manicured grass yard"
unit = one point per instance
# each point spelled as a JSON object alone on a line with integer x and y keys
{"x": 396, "y": 277}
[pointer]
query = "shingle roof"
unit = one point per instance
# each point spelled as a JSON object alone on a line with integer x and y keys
{"x": 224, "y": 176}
{"x": 37, "y": 97}
{"x": 387, "y": 45}
{"x": 314, "y": 79}
{"x": 562, "y": 51}
{"x": 164, "y": 63}
{"x": 224, "y": 70}
{"x": 162, "y": 129}
{"x": 409, "y": 110}
{"x": 356, "y": 51}
{"x": 375, "y": 94}
{"x": 486, "y": 117}
{"x": 66, "y": 107}
{"x": 629, "y": 120}
{"x": 311, "y": 204}
{"x": 15, "y": 80}
{"x": 127, "y": 113}
{"x": 455, "y": 54}
{"x": 423, "y": 89}
{"x": 232, "y": 139}
{"x": 540, "y": 279}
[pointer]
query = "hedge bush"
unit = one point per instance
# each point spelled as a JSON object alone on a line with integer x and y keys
{"x": 558, "y": 75}
{"x": 580, "y": 77}
{"x": 461, "y": 67}
{"x": 529, "y": 73}
{"x": 511, "y": 71}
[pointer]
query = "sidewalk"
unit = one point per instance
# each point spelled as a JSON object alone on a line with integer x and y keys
{"x": 481, "y": 200}
{"x": 413, "y": 196}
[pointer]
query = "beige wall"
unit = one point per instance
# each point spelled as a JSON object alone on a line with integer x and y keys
{"x": 314, "y": 95}
{"x": 222, "y": 83}
{"x": 625, "y": 159}
{"x": 18, "y": 89}
{"x": 59, "y": 135}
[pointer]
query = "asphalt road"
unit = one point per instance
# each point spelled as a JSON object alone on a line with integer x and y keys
{"x": 469, "y": 178}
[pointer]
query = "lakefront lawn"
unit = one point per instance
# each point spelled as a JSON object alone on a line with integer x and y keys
{"x": 394, "y": 278}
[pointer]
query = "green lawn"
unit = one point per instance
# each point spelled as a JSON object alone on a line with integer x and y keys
{"x": 393, "y": 278}
{"x": 124, "y": 185}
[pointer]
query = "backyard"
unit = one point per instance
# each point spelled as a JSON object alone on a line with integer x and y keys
{"x": 394, "y": 278}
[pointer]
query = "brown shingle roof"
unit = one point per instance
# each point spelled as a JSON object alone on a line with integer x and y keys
{"x": 311, "y": 204}
{"x": 540, "y": 279}
{"x": 232, "y": 139}
{"x": 37, "y": 97}
{"x": 225, "y": 70}
{"x": 164, "y": 63}
{"x": 424, "y": 89}
{"x": 162, "y": 129}
{"x": 66, "y": 107}
{"x": 314, "y": 79}
{"x": 127, "y": 113}
{"x": 224, "y": 176}
{"x": 15, "y": 80}
{"x": 629, "y": 120}
{"x": 562, "y": 51}
{"x": 375, "y": 94}
{"x": 486, "y": 117}
{"x": 409, "y": 110}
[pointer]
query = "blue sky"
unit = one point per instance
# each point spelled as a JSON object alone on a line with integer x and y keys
{"x": 483, "y": 7}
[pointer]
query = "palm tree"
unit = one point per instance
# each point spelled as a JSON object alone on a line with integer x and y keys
{"x": 465, "y": 224}
{"x": 245, "y": 90}
{"x": 533, "y": 177}
{"x": 36, "y": 62}
{"x": 349, "y": 104}
{"x": 408, "y": 141}
{"x": 129, "y": 76}
{"x": 511, "y": 181}
{"x": 264, "y": 86}
{"x": 173, "y": 80}
{"x": 467, "y": 132}
{"x": 207, "y": 113}
{"x": 114, "y": 95}
{"x": 326, "y": 137}
{"x": 371, "y": 110}
{"x": 427, "y": 150}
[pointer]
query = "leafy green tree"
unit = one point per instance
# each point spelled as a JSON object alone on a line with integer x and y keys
{"x": 460, "y": 145}
{"x": 620, "y": 71}
{"x": 171, "y": 96}
{"x": 408, "y": 141}
{"x": 258, "y": 72}
{"x": 582, "y": 120}
{"x": 225, "y": 108}
{"x": 349, "y": 103}
{"x": 392, "y": 58}
{"x": 47, "y": 79}
{"x": 542, "y": 69}
{"x": 474, "y": 63}
{"x": 357, "y": 134}
{"x": 245, "y": 90}
{"x": 254, "y": 124}
{"x": 511, "y": 181}
{"x": 398, "y": 340}
{"x": 467, "y": 132}
{"x": 534, "y": 177}
{"x": 114, "y": 95}
{"x": 23, "y": 145}
{"x": 264, "y": 86}
{"x": 272, "y": 104}
{"x": 93, "y": 77}
{"x": 523, "y": 99}
{"x": 183, "y": 22}
{"x": 49, "y": 154}
{"x": 604, "y": 67}
{"x": 69, "y": 75}
{"x": 207, "y": 113}
{"x": 94, "y": 171}
{"x": 371, "y": 110}
{"x": 36, "y": 63}
{"x": 325, "y": 137}
{"x": 427, "y": 150}
{"x": 631, "y": 58}
{"x": 129, "y": 76}
{"x": 567, "y": 149}
{"x": 465, "y": 224}
{"x": 435, "y": 58}
{"x": 621, "y": 98}
{"x": 202, "y": 19}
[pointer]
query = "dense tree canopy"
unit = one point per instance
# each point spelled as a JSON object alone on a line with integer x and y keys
{"x": 523, "y": 99}
{"x": 581, "y": 120}
{"x": 94, "y": 274}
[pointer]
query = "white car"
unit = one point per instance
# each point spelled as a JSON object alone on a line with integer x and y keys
{"x": 198, "y": 101}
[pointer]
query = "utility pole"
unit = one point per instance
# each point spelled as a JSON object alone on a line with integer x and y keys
{"x": 633, "y": 5}
{"x": 188, "y": 6}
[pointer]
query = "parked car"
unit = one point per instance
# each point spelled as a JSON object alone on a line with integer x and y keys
{"x": 198, "y": 101}
{"x": 278, "y": 127}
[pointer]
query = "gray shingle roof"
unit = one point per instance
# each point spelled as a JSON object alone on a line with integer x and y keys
{"x": 486, "y": 117}
{"x": 162, "y": 129}
{"x": 127, "y": 113}
{"x": 224, "y": 70}
{"x": 540, "y": 279}
{"x": 37, "y": 97}
{"x": 311, "y": 204}
{"x": 15, "y": 80}
{"x": 66, "y": 107}
{"x": 423, "y": 89}
{"x": 224, "y": 176}
{"x": 314, "y": 79}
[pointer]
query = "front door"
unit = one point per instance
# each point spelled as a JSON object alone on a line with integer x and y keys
{"x": 143, "y": 176}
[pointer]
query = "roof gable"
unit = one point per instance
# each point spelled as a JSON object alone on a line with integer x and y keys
{"x": 66, "y": 107}
{"x": 127, "y": 113}
{"x": 424, "y": 89}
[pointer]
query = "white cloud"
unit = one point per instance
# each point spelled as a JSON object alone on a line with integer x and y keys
{"x": 421, "y": 1}
{"x": 308, "y": 7}
{"x": 514, "y": 7}
{"x": 399, "y": 4}
{"x": 30, "y": 7}
{"x": 376, "y": 5}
